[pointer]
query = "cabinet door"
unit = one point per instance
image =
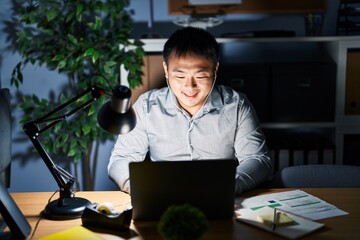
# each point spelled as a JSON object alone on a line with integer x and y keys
{"x": 352, "y": 91}
{"x": 154, "y": 76}
{"x": 250, "y": 79}
{"x": 351, "y": 149}
{"x": 303, "y": 92}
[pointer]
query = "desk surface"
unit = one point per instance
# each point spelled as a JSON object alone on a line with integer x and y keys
{"x": 341, "y": 227}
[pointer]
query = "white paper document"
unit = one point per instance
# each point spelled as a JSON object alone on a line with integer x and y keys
{"x": 294, "y": 201}
{"x": 294, "y": 229}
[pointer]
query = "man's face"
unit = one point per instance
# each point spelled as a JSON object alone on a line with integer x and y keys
{"x": 191, "y": 79}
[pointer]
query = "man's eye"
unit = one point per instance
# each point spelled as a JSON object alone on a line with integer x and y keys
{"x": 180, "y": 77}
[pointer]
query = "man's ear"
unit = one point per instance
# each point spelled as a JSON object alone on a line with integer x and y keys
{"x": 165, "y": 69}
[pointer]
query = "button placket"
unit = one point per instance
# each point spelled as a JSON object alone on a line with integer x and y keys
{"x": 190, "y": 144}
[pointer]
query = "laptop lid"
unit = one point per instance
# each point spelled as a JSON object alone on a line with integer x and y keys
{"x": 206, "y": 184}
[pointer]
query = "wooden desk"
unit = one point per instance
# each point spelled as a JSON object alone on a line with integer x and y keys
{"x": 341, "y": 227}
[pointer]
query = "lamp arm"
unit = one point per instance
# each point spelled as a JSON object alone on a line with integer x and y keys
{"x": 32, "y": 129}
{"x": 64, "y": 179}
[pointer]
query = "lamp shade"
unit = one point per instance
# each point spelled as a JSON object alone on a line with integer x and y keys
{"x": 117, "y": 116}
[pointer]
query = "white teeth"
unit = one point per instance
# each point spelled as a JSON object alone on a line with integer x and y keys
{"x": 190, "y": 94}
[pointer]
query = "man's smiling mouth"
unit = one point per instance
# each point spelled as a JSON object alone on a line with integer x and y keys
{"x": 190, "y": 94}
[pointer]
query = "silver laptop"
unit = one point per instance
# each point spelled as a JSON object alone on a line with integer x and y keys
{"x": 206, "y": 184}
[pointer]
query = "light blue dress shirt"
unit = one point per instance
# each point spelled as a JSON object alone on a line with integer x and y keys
{"x": 226, "y": 127}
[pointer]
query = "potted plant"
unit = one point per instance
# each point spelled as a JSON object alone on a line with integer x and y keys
{"x": 182, "y": 222}
{"x": 79, "y": 38}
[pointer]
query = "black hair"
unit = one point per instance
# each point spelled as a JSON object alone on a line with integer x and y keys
{"x": 194, "y": 41}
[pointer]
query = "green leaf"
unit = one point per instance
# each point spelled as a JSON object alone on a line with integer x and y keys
{"x": 69, "y": 17}
{"x": 89, "y": 52}
{"x": 61, "y": 64}
{"x": 107, "y": 70}
{"x": 58, "y": 57}
{"x": 86, "y": 129}
{"x": 97, "y": 25}
{"x": 93, "y": 53}
{"x": 72, "y": 39}
{"x": 24, "y": 120}
{"x": 49, "y": 32}
{"x": 77, "y": 132}
{"x": 95, "y": 56}
{"x": 16, "y": 75}
{"x": 79, "y": 10}
{"x": 83, "y": 143}
{"x": 35, "y": 99}
{"x": 72, "y": 152}
{"x": 91, "y": 110}
{"x": 73, "y": 144}
{"x": 110, "y": 63}
{"x": 64, "y": 137}
{"x": 51, "y": 14}
{"x": 77, "y": 157}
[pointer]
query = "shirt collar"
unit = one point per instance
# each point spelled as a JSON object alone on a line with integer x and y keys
{"x": 214, "y": 101}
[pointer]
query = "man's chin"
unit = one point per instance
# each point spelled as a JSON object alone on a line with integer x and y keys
{"x": 189, "y": 102}
{"x": 190, "y": 105}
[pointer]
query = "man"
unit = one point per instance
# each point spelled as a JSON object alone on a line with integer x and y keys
{"x": 193, "y": 118}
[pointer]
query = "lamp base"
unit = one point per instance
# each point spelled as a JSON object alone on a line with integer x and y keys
{"x": 70, "y": 209}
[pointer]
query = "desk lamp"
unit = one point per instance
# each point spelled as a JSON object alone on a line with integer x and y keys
{"x": 116, "y": 116}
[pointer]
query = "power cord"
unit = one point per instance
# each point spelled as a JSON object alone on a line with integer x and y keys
{"x": 42, "y": 216}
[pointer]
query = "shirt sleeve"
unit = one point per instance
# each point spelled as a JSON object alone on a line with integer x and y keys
{"x": 132, "y": 146}
{"x": 255, "y": 165}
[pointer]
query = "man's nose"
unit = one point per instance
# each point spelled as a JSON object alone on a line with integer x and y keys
{"x": 190, "y": 82}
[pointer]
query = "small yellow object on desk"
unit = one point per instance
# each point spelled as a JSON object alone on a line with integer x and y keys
{"x": 78, "y": 233}
{"x": 282, "y": 219}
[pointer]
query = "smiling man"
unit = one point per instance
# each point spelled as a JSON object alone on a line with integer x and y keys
{"x": 193, "y": 118}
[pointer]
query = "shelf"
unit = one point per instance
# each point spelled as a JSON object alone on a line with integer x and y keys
{"x": 353, "y": 31}
{"x": 349, "y": 24}
{"x": 349, "y": 12}
{"x": 153, "y": 45}
{"x": 181, "y": 7}
{"x": 287, "y": 125}
{"x": 350, "y": 1}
